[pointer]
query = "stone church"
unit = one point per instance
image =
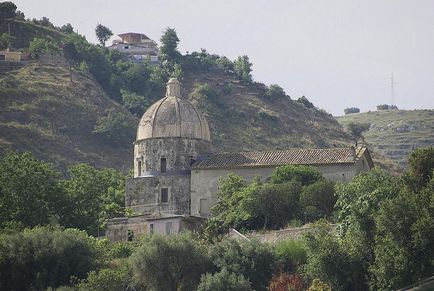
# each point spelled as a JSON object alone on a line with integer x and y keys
{"x": 176, "y": 172}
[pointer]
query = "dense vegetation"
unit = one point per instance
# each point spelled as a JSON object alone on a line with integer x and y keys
{"x": 383, "y": 239}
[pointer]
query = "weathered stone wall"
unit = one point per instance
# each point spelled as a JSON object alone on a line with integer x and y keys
{"x": 179, "y": 153}
{"x": 205, "y": 182}
{"x": 143, "y": 194}
{"x": 117, "y": 228}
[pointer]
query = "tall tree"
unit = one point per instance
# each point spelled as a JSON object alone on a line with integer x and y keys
{"x": 243, "y": 68}
{"x": 103, "y": 33}
{"x": 169, "y": 45}
{"x": 7, "y": 10}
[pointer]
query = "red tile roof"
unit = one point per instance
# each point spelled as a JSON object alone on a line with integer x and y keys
{"x": 281, "y": 157}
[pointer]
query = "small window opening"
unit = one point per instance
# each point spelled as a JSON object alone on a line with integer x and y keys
{"x": 164, "y": 195}
{"x": 126, "y": 47}
{"x": 151, "y": 228}
{"x": 169, "y": 228}
{"x": 130, "y": 235}
{"x": 139, "y": 168}
{"x": 163, "y": 165}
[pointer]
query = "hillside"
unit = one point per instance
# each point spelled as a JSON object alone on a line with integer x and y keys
{"x": 243, "y": 118}
{"x": 43, "y": 112}
{"x": 395, "y": 133}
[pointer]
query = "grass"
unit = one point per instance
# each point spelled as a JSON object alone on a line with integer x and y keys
{"x": 395, "y": 133}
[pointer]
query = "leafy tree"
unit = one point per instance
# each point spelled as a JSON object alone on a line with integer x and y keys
{"x": 118, "y": 278}
{"x": 357, "y": 129}
{"x": 351, "y": 110}
{"x": 304, "y": 174}
{"x": 39, "y": 46}
{"x": 5, "y": 40}
{"x": 243, "y": 68}
{"x": 94, "y": 196}
{"x": 67, "y": 28}
{"x": 303, "y": 100}
{"x": 43, "y": 257}
{"x": 317, "y": 200}
{"x": 114, "y": 126}
{"x": 328, "y": 261}
{"x": 421, "y": 165}
{"x": 30, "y": 191}
{"x": 223, "y": 281}
{"x": 103, "y": 33}
{"x": 135, "y": 103}
{"x": 286, "y": 282}
{"x": 255, "y": 261}
{"x": 274, "y": 91}
{"x": 7, "y": 10}
{"x": 71, "y": 55}
{"x": 169, "y": 46}
{"x": 169, "y": 263}
{"x": 404, "y": 240}
{"x": 225, "y": 64}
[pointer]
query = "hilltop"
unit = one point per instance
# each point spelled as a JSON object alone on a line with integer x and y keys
{"x": 395, "y": 133}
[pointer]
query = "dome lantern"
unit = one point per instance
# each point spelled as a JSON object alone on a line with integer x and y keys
{"x": 173, "y": 88}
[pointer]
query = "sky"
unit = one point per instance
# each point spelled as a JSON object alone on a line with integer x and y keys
{"x": 337, "y": 53}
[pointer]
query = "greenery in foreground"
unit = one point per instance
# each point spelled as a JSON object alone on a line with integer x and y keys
{"x": 384, "y": 240}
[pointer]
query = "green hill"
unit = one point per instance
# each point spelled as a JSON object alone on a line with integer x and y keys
{"x": 395, "y": 133}
{"x": 43, "y": 112}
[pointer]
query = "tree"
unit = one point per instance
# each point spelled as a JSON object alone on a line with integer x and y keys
{"x": 274, "y": 91}
{"x": 304, "y": 174}
{"x": 351, "y": 110}
{"x": 39, "y": 46}
{"x": 135, "y": 103}
{"x": 71, "y": 55}
{"x": 103, "y": 33}
{"x": 44, "y": 257}
{"x": 94, "y": 196}
{"x": 5, "y": 41}
{"x": 421, "y": 164}
{"x": 317, "y": 200}
{"x": 223, "y": 281}
{"x": 7, "y": 10}
{"x": 169, "y": 263}
{"x": 357, "y": 129}
{"x": 67, "y": 28}
{"x": 114, "y": 126}
{"x": 303, "y": 100}
{"x": 255, "y": 261}
{"x": 30, "y": 191}
{"x": 169, "y": 46}
{"x": 243, "y": 68}
{"x": 328, "y": 260}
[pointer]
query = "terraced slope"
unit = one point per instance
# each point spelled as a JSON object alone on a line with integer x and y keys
{"x": 395, "y": 133}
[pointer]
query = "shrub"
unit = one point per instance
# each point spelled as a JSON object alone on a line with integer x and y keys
{"x": 135, "y": 103}
{"x": 291, "y": 254}
{"x": 114, "y": 126}
{"x": 318, "y": 200}
{"x": 351, "y": 110}
{"x": 44, "y": 257}
{"x": 223, "y": 281}
{"x": 243, "y": 68}
{"x": 386, "y": 107}
{"x": 303, "y": 100}
{"x": 274, "y": 91}
{"x": 205, "y": 90}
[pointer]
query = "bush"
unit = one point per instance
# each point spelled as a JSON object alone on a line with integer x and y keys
{"x": 169, "y": 263}
{"x": 303, "y": 100}
{"x": 317, "y": 200}
{"x": 351, "y": 110}
{"x": 205, "y": 90}
{"x": 223, "y": 281}
{"x": 135, "y": 103}
{"x": 291, "y": 253}
{"x": 114, "y": 126}
{"x": 274, "y": 91}
{"x": 44, "y": 257}
{"x": 304, "y": 174}
{"x": 256, "y": 262}
{"x": 107, "y": 279}
{"x": 286, "y": 282}
{"x": 386, "y": 107}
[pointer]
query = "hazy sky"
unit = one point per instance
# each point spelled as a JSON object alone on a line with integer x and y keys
{"x": 337, "y": 53}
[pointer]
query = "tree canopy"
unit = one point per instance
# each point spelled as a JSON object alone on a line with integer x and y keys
{"x": 103, "y": 33}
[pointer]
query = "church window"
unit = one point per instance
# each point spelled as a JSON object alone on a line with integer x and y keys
{"x": 164, "y": 195}
{"x": 163, "y": 165}
{"x": 169, "y": 228}
{"x": 139, "y": 168}
{"x": 151, "y": 228}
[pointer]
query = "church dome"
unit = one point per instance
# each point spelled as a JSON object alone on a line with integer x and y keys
{"x": 173, "y": 116}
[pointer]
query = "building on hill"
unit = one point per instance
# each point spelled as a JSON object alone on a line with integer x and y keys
{"x": 136, "y": 47}
{"x": 176, "y": 173}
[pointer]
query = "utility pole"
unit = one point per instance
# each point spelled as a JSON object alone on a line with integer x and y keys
{"x": 392, "y": 90}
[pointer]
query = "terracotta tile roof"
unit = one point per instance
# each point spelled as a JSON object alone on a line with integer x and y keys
{"x": 281, "y": 157}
